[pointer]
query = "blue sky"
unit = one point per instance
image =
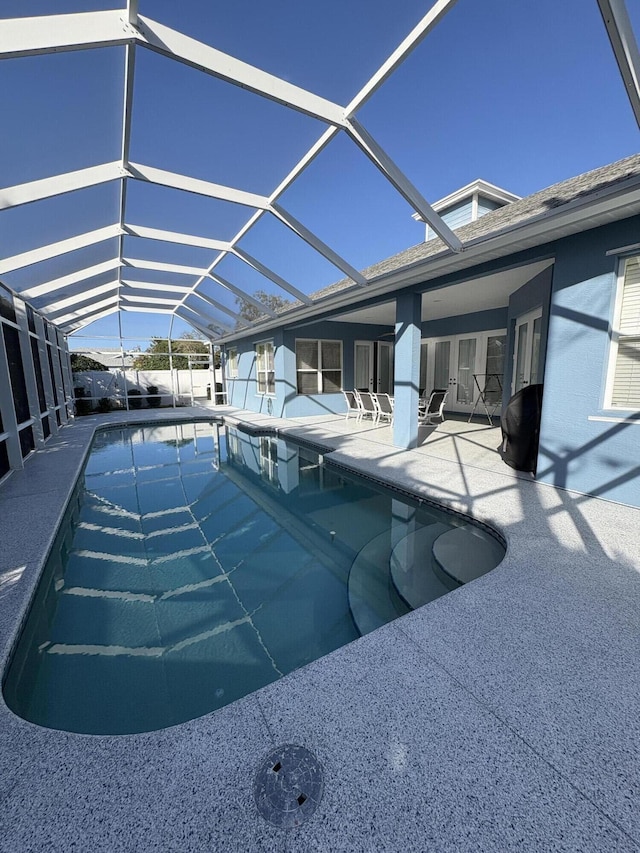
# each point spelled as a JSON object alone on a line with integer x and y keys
{"x": 521, "y": 94}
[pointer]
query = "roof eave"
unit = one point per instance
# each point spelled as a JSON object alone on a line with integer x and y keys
{"x": 578, "y": 215}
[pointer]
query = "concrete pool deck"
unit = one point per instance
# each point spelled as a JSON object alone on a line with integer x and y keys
{"x": 503, "y": 716}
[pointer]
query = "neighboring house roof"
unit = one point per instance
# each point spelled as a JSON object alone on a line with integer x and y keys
{"x": 108, "y": 357}
{"x": 594, "y": 198}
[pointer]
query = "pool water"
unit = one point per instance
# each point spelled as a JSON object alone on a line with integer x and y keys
{"x": 197, "y": 564}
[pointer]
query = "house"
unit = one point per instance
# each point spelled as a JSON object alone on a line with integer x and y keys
{"x": 546, "y": 290}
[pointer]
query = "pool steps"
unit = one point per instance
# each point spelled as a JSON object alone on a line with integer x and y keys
{"x": 388, "y": 581}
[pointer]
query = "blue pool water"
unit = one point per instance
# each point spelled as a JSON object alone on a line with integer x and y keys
{"x": 197, "y": 564}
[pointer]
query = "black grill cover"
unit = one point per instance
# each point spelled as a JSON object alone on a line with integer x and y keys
{"x": 520, "y": 424}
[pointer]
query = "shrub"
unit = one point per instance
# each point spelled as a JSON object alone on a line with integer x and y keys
{"x": 153, "y": 400}
{"x": 105, "y": 405}
{"x": 83, "y": 406}
{"x": 135, "y": 398}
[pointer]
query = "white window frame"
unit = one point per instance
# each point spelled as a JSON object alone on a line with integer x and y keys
{"x": 232, "y": 363}
{"x": 319, "y": 370}
{"x": 265, "y": 370}
{"x": 616, "y": 337}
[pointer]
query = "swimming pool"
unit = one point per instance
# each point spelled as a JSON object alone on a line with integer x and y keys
{"x": 197, "y": 563}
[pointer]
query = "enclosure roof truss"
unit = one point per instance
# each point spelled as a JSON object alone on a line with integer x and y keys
{"x": 73, "y": 300}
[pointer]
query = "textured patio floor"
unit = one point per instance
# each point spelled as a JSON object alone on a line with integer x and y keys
{"x": 503, "y": 716}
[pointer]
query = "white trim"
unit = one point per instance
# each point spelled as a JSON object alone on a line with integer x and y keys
{"x": 612, "y": 420}
{"x": 615, "y": 336}
{"x": 370, "y": 346}
{"x": 624, "y": 250}
{"x": 266, "y": 392}
{"x": 481, "y": 187}
{"x": 231, "y": 363}
{"x": 320, "y": 370}
{"x": 528, "y": 318}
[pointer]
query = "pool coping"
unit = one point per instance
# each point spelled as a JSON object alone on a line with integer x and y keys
{"x": 529, "y": 675}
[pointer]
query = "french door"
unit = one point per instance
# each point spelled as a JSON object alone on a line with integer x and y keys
{"x": 453, "y": 362}
{"x": 384, "y": 368}
{"x": 526, "y": 350}
{"x": 363, "y": 366}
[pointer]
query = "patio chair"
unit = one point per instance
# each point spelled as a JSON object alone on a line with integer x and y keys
{"x": 434, "y": 408}
{"x": 354, "y": 407}
{"x": 385, "y": 407}
{"x": 368, "y": 405}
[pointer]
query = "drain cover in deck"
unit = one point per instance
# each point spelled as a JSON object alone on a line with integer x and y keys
{"x": 288, "y": 786}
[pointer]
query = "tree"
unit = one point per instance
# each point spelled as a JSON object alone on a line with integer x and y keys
{"x": 81, "y": 363}
{"x": 251, "y": 312}
{"x": 156, "y": 356}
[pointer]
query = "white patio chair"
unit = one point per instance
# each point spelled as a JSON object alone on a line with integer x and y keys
{"x": 368, "y": 405}
{"x": 434, "y": 408}
{"x": 385, "y": 407}
{"x": 354, "y": 407}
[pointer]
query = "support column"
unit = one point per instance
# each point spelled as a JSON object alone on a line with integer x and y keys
{"x": 407, "y": 370}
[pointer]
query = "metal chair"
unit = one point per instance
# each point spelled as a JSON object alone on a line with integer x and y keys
{"x": 385, "y": 407}
{"x": 368, "y": 405}
{"x": 434, "y": 408}
{"x": 354, "y": 407}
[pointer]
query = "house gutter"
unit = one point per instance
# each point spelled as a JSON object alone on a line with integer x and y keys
{"x": 600, "y": 208}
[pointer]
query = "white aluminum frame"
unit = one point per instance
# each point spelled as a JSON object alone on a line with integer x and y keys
{"x": 25, "y": 37}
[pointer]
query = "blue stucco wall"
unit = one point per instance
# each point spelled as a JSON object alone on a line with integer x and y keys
{"x": 242, "y": 391}
{"x": 595, "y": 457}
{"x": 298, "y": 406}
{"x": 287, "y": 403}
{"x": 466, "y": 324}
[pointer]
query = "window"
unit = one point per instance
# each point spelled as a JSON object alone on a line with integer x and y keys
{"x": 265, "y": 371}
{"x": 232, "y": 364}
{"x": 269, "y": 460}
{"x": 625, "y": 380}
{"x": 319, "y": 366}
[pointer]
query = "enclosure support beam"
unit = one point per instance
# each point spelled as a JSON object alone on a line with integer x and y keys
{"x": 53, "y": 250}
{"x": 625, "y": 48}
{"x": 66, "y": 281}
{"x": 315, "y": 242}
{"x": 273, "y": 276}
{"x": 241, "y": 294}
{"x": 392, "y": 173}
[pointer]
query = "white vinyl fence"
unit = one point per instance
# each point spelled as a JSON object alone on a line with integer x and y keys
{"x": 112, "y": 389}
